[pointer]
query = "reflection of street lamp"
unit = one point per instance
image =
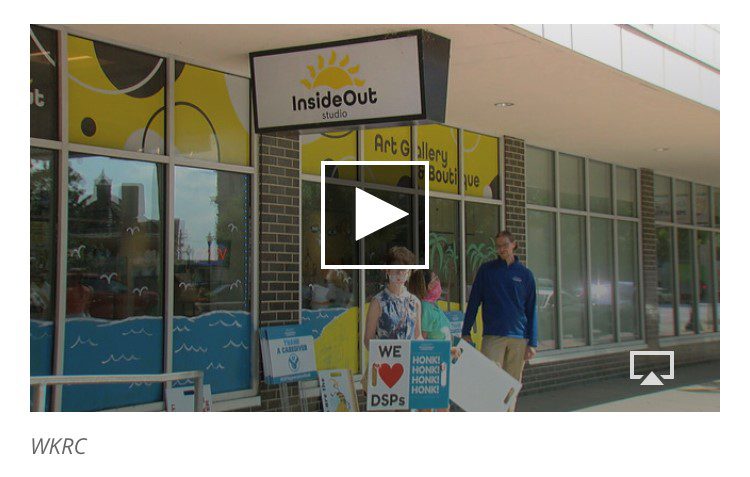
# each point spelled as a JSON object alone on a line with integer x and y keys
{"x": 209, "y": 239}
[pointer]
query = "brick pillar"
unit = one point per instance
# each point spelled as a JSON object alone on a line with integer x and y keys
{"x": 279, "y": 163}
{"x": 515, "y": 192}
{"x": 648, "y": 243}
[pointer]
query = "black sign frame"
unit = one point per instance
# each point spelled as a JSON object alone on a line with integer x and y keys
{"x": 434, "y": 59}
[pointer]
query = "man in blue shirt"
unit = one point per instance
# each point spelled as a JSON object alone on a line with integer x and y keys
{"x": 507, "y": 292}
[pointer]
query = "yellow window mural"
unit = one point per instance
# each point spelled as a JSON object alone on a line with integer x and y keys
{"x": 329, "y": 298}
{"x": 211, "y": 115}
{"x": 439, "y": 145}
{"x": 116, "y": 97}
{"x": 481, "y": 167}
{"x": 388, "y": 144}
{"x": 332, "y": 146}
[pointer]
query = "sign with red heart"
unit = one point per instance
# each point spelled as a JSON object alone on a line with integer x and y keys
{"x": 390, "y": 374}
{"x": 406, "y": 374}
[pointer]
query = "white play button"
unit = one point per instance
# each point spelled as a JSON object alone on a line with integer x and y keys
{"x": 373, "y": 214}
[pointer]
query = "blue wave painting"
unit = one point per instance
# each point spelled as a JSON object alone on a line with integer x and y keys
{"x": 40, "y": 344}
{"x": 217, "y": 342}
{"x": 40, "y": 350}
{"x": 97, "y": 346}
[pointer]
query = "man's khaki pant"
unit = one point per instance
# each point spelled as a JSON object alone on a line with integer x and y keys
{"x": 508, "y": 353}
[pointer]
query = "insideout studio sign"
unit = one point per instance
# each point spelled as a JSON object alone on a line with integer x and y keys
{"x": 387, "y": 79}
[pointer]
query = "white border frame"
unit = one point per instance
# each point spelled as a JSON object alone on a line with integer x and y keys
{"x": 425, "y": 164}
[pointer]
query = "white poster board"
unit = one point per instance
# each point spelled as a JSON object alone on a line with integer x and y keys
{"x": 388, "y": 375}
{"x": 181, "y": 399}
{"x": 337, "y": 391}
{"x": 407, "y": 374}
{"x": 479, "y": 384}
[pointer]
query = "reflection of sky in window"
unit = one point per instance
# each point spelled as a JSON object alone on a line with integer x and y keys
{"x": 120, "y": 171}
{"x": 195, "y": 209}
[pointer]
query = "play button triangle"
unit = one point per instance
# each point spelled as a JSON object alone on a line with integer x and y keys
{"x": 652, "y": 380}
{"x": 372, "y": 214}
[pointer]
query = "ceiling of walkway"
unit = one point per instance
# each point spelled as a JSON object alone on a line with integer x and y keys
{"x": 563, "y": 100}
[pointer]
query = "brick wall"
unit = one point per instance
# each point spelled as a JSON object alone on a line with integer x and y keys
{"x": 279, "y": 165}
{"x": 515, "y": 192}
{"x": 548, "y": 376}
{"x": 648, "y": 246}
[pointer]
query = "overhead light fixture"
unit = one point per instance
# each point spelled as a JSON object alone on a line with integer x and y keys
{"x": 504, "y": 104}
{"x": 661, "y": 149}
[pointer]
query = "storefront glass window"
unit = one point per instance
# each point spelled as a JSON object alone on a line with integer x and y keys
{"x": 211, "y": 115}
{"x": 683, "y": 203}
{"x": 572, "y": 182}
{"x": 627, "y": 192}
{"x": 602, "y": 274}
{"x": 573, "y": 285}
{"x": 541, "y": 261}
{"x": 42, "y": 260}
{"x": 444, "y": 250}
{"x": 600, "y": 187}
{"x": 116, "y": 97}
{"x": 330, "y": 298}
{"x": 44, "y": 83}
{"x": 627, "y": 282}
{"x": 716, "y": 206}
{"x": 705, "y": 283}
{"x": 665, "y": 273}
{"x": 481, "y": 167}
{"x": 398, "y": 233}
{"x": 388, "y": 144}
{"x": 213, "y": 330}
{"x": 718, "y": 280}
{"x": 438, "y": 144}
{"x": 332, "y": 146}
{"x": 686, "y": 272}
{"x": 702, "y": 206}
{"x": 662, "y": 199}
{"x": 540, "y": 176}
{"x": 482, "y": 225}
{"x": 114, "y": 318}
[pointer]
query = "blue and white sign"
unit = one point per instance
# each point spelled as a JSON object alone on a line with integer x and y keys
{"x": 288, "y": 353}
{"x": 408, "y": 375}
{"x": 429, "y": 381}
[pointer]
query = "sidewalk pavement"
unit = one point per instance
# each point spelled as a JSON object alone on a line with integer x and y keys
{"x": 695, "y": 388}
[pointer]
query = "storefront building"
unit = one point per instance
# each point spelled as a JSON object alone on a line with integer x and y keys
{"x": 165, "y": 230}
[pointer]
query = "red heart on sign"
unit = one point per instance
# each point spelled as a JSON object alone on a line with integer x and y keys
{"x": 390, "y": 374}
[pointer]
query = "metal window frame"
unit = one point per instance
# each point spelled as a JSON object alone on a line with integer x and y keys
{"x": 587, "y": 214}
{"x": 673, "y": 226}
{"x": 169, "y": 160}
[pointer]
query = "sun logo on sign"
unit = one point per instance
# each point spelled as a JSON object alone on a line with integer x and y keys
{"x": 333, "y": 75}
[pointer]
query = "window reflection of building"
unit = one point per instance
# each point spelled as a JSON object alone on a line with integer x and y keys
{"x": 116, "y": 246}
{"x": 211, "y": 241}
{"x": 114, "y": 313}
